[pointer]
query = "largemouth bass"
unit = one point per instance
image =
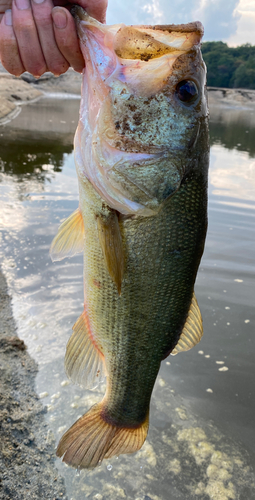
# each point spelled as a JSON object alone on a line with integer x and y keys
{"x": 141, "y": 154}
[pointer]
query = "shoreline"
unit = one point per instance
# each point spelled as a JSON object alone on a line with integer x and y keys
{"x": 18, "y": 91}
{"x": 15, "y": 92}
{"x": 231, "y": 98}
{"x": 27, "y": 458}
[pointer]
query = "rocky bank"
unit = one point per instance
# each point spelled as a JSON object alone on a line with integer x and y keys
{"x": 15, "y": 92}
{"x": 27, "y": 446}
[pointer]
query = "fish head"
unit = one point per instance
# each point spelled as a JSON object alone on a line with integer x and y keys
{"x": 143, "y": 112}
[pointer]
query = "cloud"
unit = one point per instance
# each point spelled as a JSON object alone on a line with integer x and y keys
{"x": 153, "y": 8}
{"x": 151, "y": 11}
{"x": 245, "y": 32}
{"x": 220, "y": 18}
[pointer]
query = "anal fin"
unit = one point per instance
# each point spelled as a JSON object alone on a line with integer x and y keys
{"x": 111, "y": 244}
{"x": 83, "y": 361}
{"x": 192, "y": 331}
{"x": 69, "y": 239}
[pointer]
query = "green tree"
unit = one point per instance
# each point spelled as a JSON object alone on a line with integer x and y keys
{"x": 229, "y": 67}
{"x": 244, "y": 75}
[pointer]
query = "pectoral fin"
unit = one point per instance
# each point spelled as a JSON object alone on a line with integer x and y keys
{"x": 192, "y": 331}
{"x": 111, "y": 244}
{"x": 83, "y": 361}
{"x": 70, "y": 237}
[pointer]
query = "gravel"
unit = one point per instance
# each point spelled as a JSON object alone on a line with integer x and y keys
{"x": 27, "y": 446}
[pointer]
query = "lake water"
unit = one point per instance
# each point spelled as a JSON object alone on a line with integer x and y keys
{"x": 201, "y": 438}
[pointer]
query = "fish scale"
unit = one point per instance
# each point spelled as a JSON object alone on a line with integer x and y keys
{"x": 157, "y": 300}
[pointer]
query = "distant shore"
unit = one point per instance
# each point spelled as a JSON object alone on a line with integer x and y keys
{"x": 15, "y": 92}
{"x": 238, "y": 98}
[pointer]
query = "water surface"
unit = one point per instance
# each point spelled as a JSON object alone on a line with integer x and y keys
{"x": 201, "y": 438}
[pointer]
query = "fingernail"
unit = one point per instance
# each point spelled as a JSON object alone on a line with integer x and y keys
{"x": 38, "y": 1}
{"x": 22, "y": 4}
{"x": 59, "y": 18}
{"x": 8, "y": 17}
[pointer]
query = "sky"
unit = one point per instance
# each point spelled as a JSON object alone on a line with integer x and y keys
{"x": 232, "y": 21}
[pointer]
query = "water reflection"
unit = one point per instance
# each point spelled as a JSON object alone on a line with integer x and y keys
{"x": 31, "y": 158}
{"x": 28, "y": 146}
{"x": 185, "y": 450}
{"x": 232, "y": 175}
{"x": 233, "y": 129}
{"x": 232, "y": 165}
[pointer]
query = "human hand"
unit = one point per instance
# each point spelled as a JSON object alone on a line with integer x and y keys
{"x": 40, "y": 35}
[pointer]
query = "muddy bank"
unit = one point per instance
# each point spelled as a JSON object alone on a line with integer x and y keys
{"x": 27, "y": 455}
{"x": 16, "y": 91}
{"x": 229, "y": 98}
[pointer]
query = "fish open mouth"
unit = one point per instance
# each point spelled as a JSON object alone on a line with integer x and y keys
{"x": 126, "y": 49}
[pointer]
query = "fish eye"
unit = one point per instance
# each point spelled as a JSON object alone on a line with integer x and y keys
{"x": 186, "y": 91}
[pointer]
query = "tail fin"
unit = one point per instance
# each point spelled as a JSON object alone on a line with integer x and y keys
{"x": 91, "y": 439}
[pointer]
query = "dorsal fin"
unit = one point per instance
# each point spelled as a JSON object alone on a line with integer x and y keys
{"x": 111, "y": 244}
{"x": 192, "y": 331}
{"x": 83, "y": 361}
{"x": 69, "y": 239}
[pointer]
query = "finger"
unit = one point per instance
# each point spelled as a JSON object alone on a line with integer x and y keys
{"x": 4, "y": 5}
{"x": 9, "y": 52}
{"x": 27, "y": 38}
{"x": 56, "y": 62}
{"x": 95, "y": 8}
{"x": 66, "y": 38}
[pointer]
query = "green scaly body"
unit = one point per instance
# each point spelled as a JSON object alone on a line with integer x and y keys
{"x": 137, "y": 329}
{"x": 141, "y": 154}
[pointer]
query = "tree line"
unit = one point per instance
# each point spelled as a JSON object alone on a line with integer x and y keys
{"x": 230, "y": 67}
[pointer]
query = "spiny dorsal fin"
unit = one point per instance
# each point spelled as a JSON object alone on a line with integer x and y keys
{"x": 193, "y": 329}
{"x": 111, "y": 244}
{"x": 83, "y": 361}
{"x": 92, "y": 438}
{"x": 69, "y": 239}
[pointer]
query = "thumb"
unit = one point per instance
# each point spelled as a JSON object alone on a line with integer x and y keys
{"x": 94, "y": 8}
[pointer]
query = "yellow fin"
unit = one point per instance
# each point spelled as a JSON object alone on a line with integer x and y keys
{"x": 83, "y": 361}
{"x": 91, "y": 439}
{"x": 69, "y": 239}
{"x": 193, "y": 329}
{"x": 111, "y": 244}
